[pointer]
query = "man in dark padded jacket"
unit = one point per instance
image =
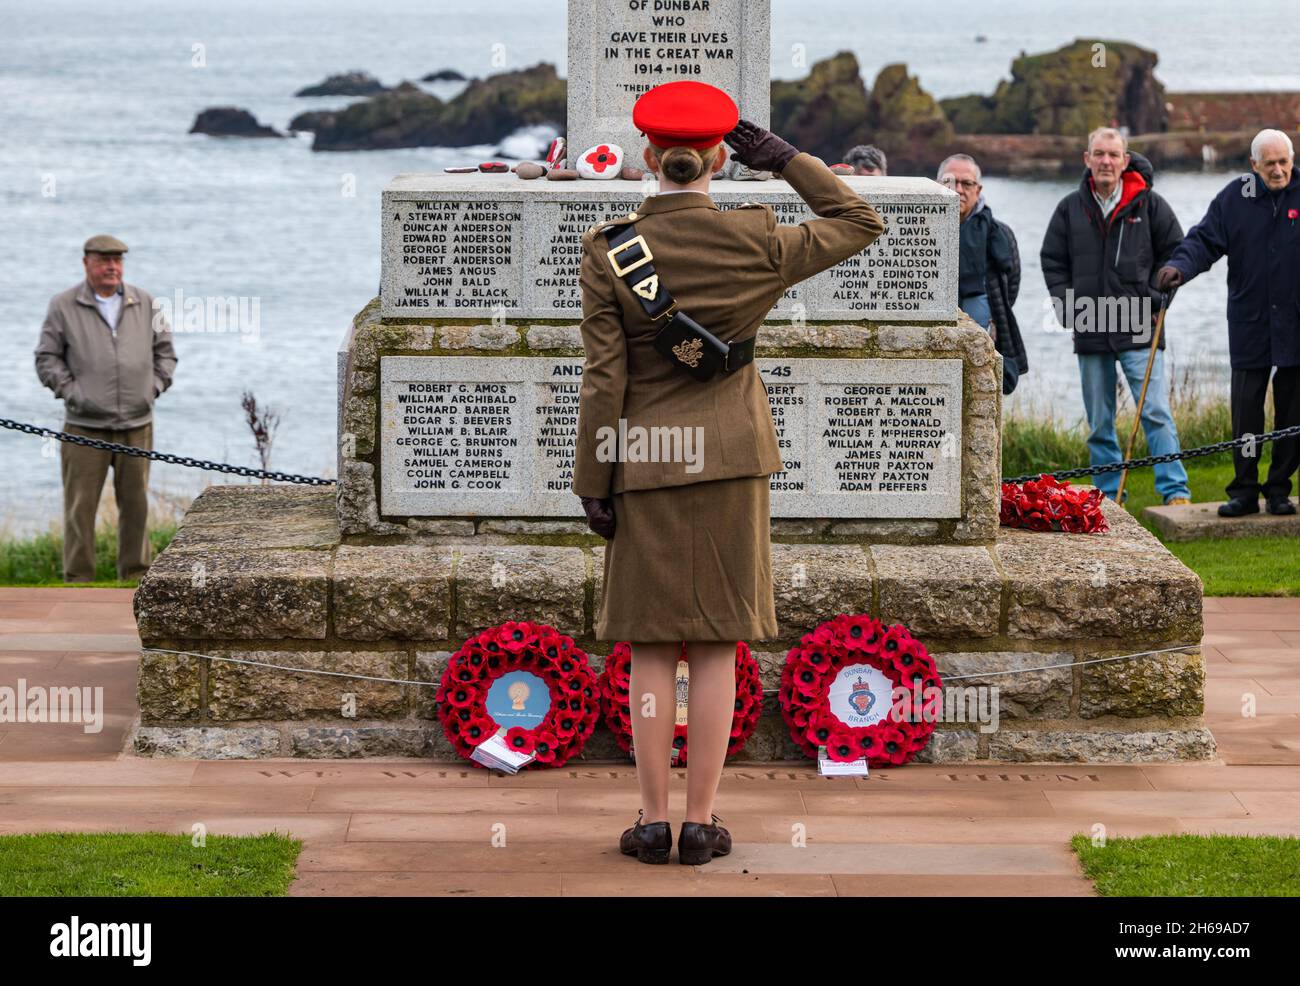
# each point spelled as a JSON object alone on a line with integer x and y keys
{"x": 1103, "y": 246}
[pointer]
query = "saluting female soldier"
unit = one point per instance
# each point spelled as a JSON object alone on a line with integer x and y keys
{"x": 669, "y": 291}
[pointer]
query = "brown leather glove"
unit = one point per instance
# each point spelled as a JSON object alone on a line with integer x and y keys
{"x": 1168, "y": 278}
{"x": 600, "y": 515}
{"x": 759, "y": 149}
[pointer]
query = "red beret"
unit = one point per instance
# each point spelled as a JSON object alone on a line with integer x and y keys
{"x": 685, "y": 114}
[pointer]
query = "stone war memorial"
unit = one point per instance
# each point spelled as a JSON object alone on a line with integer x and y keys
{"x": 458, "y": 394}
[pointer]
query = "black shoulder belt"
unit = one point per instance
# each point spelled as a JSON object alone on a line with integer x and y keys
{"x": 686, "y": 343}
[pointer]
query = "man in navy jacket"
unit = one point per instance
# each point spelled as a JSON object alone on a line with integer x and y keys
{"x": 1255, "y": 221}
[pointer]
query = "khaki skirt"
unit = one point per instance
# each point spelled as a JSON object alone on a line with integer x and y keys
{"x": 690, "y": 562}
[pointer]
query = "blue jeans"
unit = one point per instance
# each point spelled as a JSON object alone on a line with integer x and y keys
{"x": 1097, "y": 372}
{"x": 977, "y": 307}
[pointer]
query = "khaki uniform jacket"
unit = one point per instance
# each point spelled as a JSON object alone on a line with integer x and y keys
{"x": 726, "y": 269}
{"x": 105, "y": 380}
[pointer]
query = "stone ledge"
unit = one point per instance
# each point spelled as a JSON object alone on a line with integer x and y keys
{"x": 1193, "y": 521}
{"x": 401, "y": 591}
{"x": 1026, "y": 591}
{"x": 238, "y": 593}
{"x": 239, "y": 691}
{"x": 945, "y": 589}
{"x": 771, "y": 742}
{"x": 1160, "y": 745}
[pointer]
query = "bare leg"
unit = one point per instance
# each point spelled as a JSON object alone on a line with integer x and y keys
{"x": 652, "y": 695}
{"x": 712, "y": 706}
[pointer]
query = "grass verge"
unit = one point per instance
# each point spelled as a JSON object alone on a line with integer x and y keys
{"x": 145, "y": 864}
{"x": 1192, "y": 865}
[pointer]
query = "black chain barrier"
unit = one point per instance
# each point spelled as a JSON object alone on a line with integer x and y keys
{"x": 1152, "y": 460}
{"x": 182, "y": 460}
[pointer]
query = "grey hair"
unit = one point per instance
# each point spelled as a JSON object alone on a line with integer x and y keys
{"x": 1267, "y": 137}
{"x": 943, "y": 165}
{"x": 1108, "y": 132}
{"x": 866, "y": 156}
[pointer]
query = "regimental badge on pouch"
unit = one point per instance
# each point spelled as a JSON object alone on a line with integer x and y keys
{"x": 689, "y": 351}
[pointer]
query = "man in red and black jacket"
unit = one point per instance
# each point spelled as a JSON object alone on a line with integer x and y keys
{"x": 1103, "y": 246}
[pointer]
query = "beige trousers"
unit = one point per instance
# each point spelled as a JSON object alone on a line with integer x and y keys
{"x": 84, "y": 471}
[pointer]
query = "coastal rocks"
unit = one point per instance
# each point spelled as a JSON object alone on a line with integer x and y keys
{"x": 822, "y": 114}
{"x": 405, "y": 116}
{"x": 355, "y": 83}
{"x": 311, "y": 121}
{"x": 904, "y": 118}
{"x": 831, "y": 110}
{"x": 485, "y": 112}
{"x": 230, "y": 121}
{"x": 1086, "y": 84}
{"x": 443, "y": 75}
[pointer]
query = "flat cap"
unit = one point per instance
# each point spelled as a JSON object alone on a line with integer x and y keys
{"x": 103, "y": 243}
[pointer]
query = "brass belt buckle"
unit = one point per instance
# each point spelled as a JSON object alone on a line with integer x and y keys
{"x": 612, "y": 254}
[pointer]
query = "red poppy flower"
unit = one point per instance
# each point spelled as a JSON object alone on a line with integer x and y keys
{"x": 519, "y": 739}
{"x": 462, "y": 696}
{"x": 545, "y": 744}
{"x": 601, "y": 157}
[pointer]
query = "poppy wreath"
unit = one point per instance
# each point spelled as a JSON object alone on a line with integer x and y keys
{"x": 811, "y": 668}
{"x": 461, "y": 698}
{"x": 1051, "y": 504}
{"x": 615, "y": 702}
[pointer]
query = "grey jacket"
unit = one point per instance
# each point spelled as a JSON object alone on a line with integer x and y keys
{"x": 105, "y": 380}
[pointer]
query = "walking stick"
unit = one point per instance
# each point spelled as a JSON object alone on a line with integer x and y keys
{"x": 1146, "y": 379}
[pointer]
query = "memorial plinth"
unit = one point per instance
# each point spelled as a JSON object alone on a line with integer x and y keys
{"x": 262, "y": 573}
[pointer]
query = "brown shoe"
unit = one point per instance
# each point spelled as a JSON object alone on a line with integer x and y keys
{"x": 649, "y": 843}
{"x": 699, "y": 843}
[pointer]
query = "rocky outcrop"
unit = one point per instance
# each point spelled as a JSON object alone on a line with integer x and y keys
{"x": 823, "y": 113}
{"x": 486, "y": 111}
{"x": 906, "y": 121}
{"x": 354, "y": 83}
{"x": 311, "y": 121}
{"x": 831, "y": 111}
{"x": 230, "y": 121}
{"x": 443, "y": 75}
{"x": 1086, "y": 84}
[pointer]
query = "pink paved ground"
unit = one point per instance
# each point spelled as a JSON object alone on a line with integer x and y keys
{"x": 406, "y": 828}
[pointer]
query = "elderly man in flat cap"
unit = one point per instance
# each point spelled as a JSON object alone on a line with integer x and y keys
{"x": 108, "y": 355}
